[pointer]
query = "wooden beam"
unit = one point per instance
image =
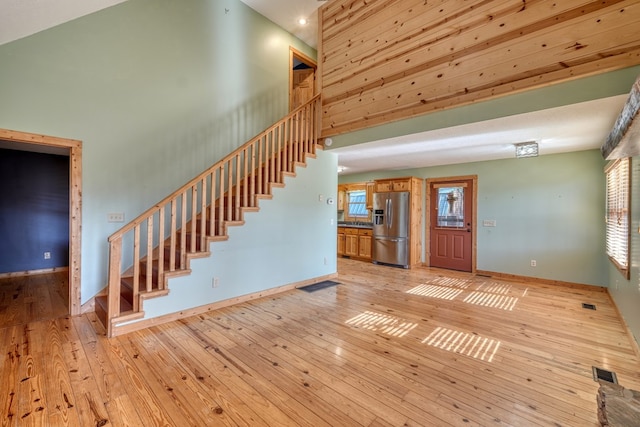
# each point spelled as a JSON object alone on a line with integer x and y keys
{"x": 624, "y": 138}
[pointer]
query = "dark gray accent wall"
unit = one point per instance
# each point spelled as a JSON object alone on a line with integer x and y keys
{"x": 34, "y": 210}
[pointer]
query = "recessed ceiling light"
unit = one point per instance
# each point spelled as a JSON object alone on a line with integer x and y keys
{"x": 302, "y": 21}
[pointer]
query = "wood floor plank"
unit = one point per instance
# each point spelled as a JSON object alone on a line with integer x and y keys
{"x": 364, "y": 377}
{"x": 91, "y": 408}
{"x": 246, "y": 404}
{"x": 261, "y": 377}
{"x": 46, "y": 344}
{"x": 386, "y": 347}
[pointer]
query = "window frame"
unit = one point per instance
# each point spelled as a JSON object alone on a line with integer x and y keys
{"x": 348, "y": 204}
{"x": 617, "y": 206}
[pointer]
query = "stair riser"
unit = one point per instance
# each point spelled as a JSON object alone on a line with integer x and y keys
{"x": 269, "y": 159}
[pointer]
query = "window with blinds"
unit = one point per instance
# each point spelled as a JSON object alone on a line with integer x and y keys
{"x": 357, "y": 204}
{"x": 617, "y": 214}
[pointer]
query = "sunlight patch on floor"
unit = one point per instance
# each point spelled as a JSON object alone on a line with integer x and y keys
{"x": 470, "y": 345}
{"x": 486, "y": 299}
{"x": 384, "y": 323}
{"x": 435, "y": 291}
{"x": 495, "y": 288}
{"x": 451, "y": 282}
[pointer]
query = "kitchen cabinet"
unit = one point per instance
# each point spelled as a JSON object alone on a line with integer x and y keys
{"x": 351, "y": 242}
{"x": 400, "y": 186}
{"x": 342, "y": 197}
{"x": 364, "y": 243}
{"x": 397, "y": 184}
{"x": 355, "y": 243}
{"x": 341, "y": 241}
{"x": 383, "y": 187}
{"x": 370, "y": 188}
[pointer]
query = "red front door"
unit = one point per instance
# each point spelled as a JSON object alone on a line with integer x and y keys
{"x": 451, "y": 213}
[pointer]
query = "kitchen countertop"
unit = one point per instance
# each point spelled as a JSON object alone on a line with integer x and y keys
{"x": 355, "y": 224}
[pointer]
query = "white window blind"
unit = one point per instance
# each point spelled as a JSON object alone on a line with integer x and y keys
{"x": 617, "y": 213}
{"x": 357, "y": 204}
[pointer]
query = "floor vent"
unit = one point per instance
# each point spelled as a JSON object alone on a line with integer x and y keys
{"x": 604, "y": 375}
{"x": 588, "y": 306}
{"x": 318, "y": 286}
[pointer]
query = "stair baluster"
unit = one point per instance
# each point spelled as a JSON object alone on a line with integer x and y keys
{"x": 160, "y": 242}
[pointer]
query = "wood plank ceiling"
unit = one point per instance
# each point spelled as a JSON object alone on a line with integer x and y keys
{"x": 385, "y": 60}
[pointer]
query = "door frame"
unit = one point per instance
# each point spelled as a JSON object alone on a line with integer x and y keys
{"x": 474, "y": 220}
{"x": 74, "y": 148}
{"x": 295, "y": 53}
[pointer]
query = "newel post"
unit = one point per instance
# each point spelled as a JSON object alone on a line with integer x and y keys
{"x": 115, "y": 261}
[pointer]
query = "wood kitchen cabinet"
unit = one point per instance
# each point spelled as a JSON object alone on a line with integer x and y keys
{"x": 396, "y": 184}
{"x": 341, "y": 241}
{"x": 355, "y": 243}
{"x": 342, "y": 197}
{"x": 370, "y": 188}
{"x": 364, "y": 243}
{"x": 351, "y": 242}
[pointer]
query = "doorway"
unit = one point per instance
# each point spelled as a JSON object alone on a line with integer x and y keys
{"x": 42, "y": 143}
{"x": 302, "y": 78}
{"x": 451, "y": 223}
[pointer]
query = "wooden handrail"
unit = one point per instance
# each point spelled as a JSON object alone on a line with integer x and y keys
{"x": 159, "y": 239}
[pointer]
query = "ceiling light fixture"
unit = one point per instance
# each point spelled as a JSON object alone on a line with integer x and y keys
{"x": 302, "y": 21}
{"x": 526, "y": 149}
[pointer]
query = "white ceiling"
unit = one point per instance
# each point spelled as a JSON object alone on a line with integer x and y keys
{"x": 287, "y": 13}
{"x": 570, "y": 128}
{"x": 575, "y": 127}
{"x": 21, "y": 18}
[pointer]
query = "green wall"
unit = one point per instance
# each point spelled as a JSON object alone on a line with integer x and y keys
{"x": 547, "y": 208}
{"x": 291, "y": 239}
{"x": 156, "y": 91}
{"x": 526, "y": 199}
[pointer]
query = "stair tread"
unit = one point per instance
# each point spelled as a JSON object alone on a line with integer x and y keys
{"x": 197, "y": 236}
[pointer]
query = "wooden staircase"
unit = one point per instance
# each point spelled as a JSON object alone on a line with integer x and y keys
{"x": 160, "y": 243}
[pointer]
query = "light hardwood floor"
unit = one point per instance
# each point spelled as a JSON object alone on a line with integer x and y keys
{"x": 386, "y": 347}
{"x": 32, "y": 298}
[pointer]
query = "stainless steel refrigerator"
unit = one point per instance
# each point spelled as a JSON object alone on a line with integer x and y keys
{"x": 391, "y": 228}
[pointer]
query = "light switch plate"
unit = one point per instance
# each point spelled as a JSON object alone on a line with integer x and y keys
{"x": 115, "y": 217}
{"x": 489, "y": 223}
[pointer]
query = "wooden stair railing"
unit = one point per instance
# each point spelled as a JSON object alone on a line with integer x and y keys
{"x": 159, "y": 243}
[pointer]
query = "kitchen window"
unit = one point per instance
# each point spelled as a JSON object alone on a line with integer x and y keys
{"x": 356, "y": 205}
{"x": 617, "y": 213}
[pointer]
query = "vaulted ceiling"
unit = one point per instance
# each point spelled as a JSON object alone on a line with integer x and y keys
{"x": 22, "y": 18}
{"x": 569, "y": 128}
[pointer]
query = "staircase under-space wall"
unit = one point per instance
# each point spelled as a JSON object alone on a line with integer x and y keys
{"x": 160, "y": 243}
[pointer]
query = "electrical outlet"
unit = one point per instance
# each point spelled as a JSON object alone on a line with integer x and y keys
{"x": 325, "y": 260}
{"x": 534, "y": 263}
{"x": 115, "y": 217}
{"x": 215, "y": 282}
{"x": 47, "y": 255}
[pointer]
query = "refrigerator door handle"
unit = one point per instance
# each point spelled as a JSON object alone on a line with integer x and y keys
{"x": 386, "y": 211}
{"x": 390, "y": 202}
